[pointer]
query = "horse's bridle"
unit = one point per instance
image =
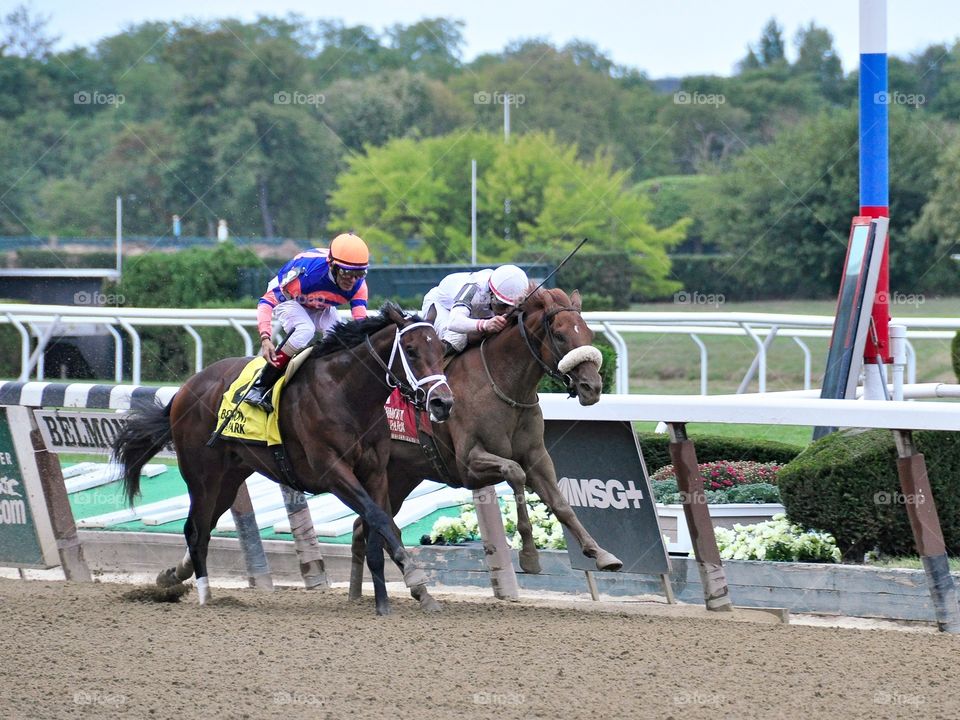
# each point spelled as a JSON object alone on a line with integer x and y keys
{"x": 411, "y": 387}
{"x": 564, "y": 378}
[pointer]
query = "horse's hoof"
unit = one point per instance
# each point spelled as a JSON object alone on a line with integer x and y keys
{"x": 168, "y": 578}
{"x": 608, "y": 561}
{"x": 530, "y": 562}
{"x": 430, "y": 604}
{"x": 414, "y": 576}
{"x": 354, "y": 597}
{"x": 383, "y": 609}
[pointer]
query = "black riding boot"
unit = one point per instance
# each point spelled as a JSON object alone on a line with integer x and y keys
{"x": 259, "y": 394}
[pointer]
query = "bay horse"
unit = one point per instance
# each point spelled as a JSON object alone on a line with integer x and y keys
{"x": 496, "y": 434}
{"x": 333, "y": 425}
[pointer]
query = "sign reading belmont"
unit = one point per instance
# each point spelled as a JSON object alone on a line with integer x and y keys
{"x": 81, "y": 432}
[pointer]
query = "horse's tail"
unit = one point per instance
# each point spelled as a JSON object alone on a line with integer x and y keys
{"x": 145, "y": 431}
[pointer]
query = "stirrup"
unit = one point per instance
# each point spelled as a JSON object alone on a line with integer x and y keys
{"x": 259, "y": 397}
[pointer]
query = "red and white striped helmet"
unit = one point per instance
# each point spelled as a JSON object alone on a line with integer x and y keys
{"x": 509, "y": 284}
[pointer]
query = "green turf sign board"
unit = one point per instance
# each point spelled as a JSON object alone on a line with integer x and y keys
{"x": 602, "y": 475}
{"x": 26, "y": 538}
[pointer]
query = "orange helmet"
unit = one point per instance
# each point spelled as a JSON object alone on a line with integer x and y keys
{"x": 350, "y": 252}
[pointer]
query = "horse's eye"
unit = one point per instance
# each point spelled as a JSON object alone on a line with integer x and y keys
{"x": 411, "y": 353}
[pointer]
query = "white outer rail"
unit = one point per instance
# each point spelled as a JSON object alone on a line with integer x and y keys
{"x": 769, "y": 409}
{"x": 40, "y": 318}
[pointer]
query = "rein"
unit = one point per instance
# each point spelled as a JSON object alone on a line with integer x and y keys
{"x": 564, "y": 379}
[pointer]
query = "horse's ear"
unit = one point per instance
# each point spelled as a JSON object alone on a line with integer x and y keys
{"x": 393, "y": 311}
{"x": 576, "y": 302}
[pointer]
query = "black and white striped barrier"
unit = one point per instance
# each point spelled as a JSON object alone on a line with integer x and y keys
{"x": 82, "y": 395}
{"x": 86, "y": 396}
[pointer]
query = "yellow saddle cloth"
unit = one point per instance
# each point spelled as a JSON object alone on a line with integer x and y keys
{"x": 250, "y": 423}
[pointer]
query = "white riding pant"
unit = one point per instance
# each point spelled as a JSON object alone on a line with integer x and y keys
{"x": 302, "y": 323}
{"x": 458, "y": 340}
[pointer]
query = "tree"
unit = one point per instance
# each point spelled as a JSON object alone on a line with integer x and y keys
{"x": 411, "y": 200}
{"x": 277, "y": 164}
{"x": 25, "y": 34}
{"x": 350, "y": 52}
{"x": 818, "y": 58}
{"x": 771, "y": 49}
{"x": 391, "y": 104}
{"x": 935, "y": 238}
{"x": 432, "y": 46}
{"x": 784, "y": 210}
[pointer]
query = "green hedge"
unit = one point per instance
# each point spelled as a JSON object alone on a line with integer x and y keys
{"x": 192, "y": 278}
{"x": 187, "y": 278}
{"x": 608, "y": 369}
{"x": 710, "y": 448}
{"x": 847, "y": 485}
{"x": 708, "y": 275}
{"x": 606, "y": 278}
{"x": 955, "y": 355}
{"x": 30, "y": 258}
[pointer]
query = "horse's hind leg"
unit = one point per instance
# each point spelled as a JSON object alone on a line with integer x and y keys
{"x": 201, "y": 519}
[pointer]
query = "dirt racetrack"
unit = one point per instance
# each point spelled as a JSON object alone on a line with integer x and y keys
{"x": 71, "y": 651}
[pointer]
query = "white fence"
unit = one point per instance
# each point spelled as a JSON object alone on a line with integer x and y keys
{"x": 37, "y": 324}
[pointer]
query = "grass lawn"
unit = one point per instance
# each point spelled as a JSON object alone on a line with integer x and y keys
{"x": 912, "y": 563}
{"x": 669, "y": 364}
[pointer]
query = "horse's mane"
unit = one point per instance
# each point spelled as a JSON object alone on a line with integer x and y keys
{"x": 349, "y": 334}
{"x": 544, "y": 297}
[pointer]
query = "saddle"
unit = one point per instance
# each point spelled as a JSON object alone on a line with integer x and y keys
{"x": 408, "y": 424}
{"x": 253, "y": 425}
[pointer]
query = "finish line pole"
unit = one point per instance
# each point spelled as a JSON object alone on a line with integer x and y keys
{"x": 874, "y": 175}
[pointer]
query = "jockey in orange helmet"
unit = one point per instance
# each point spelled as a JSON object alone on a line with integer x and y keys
{"x": 304, "y": 297}
{"x": 474, "y": 302}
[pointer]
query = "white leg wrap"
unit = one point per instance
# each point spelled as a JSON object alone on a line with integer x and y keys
{"x": 203, "y": 590}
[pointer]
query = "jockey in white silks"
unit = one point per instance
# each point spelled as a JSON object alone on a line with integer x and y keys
{"x": 474, "y": 302}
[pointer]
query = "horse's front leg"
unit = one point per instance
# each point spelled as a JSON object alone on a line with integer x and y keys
{"x": 485, "y": 469}
{"x": 358, "y": 551}
{"x": 529, "y": 557}
{"x": 542, "y": 478}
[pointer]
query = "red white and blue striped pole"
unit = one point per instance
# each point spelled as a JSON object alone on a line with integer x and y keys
{"x": 874, "y": 174}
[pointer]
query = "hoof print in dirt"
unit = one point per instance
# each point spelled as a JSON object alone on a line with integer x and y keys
{"x": 156, "y": 594}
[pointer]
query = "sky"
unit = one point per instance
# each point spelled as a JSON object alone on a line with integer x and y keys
{"x": 662, "y": 37}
